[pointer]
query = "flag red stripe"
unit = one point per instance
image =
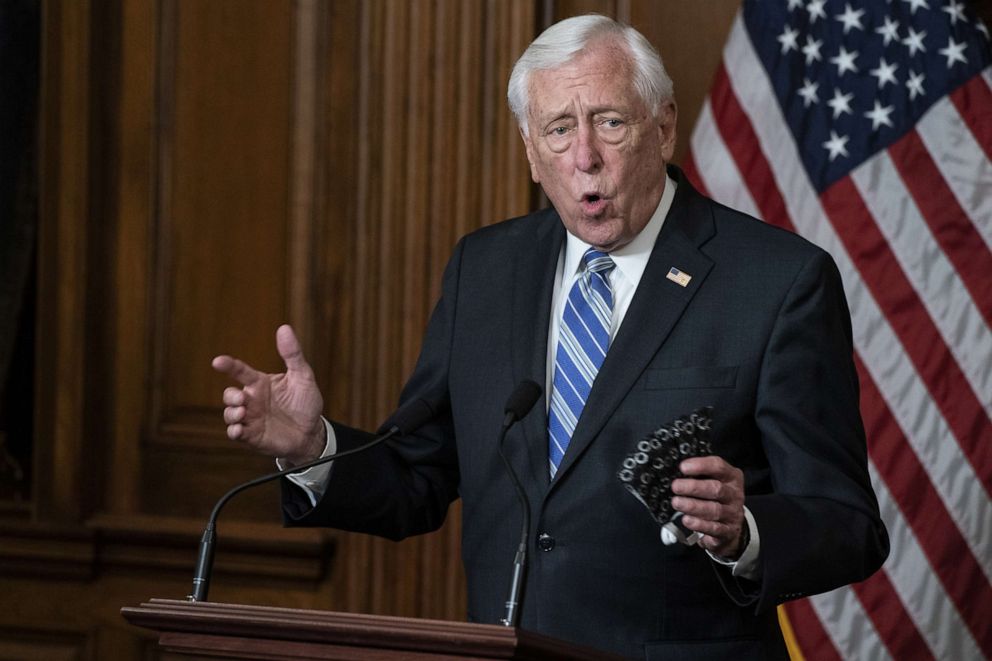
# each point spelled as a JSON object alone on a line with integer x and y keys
{"x": 813, "y": 640}
{"x": 892, "y": 622}
{"x": 951, "y": 226}
{"x": 745, "y": 148}
{"x": 974, "y": 103}
{"x": 881, "y": 273}
{"x": 691, "y": 171}
{"x": 897, "y": 299}
{"x": 938, "y": 536}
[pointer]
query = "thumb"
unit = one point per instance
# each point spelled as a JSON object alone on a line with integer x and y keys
{"x": 290, "y": 350}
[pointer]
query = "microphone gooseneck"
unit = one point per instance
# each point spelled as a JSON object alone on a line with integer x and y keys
{"x": 519, "y": 404}
{"x": 407, "y": 418}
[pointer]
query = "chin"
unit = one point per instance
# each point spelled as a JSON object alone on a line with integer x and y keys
{"x": 603, "y": 238}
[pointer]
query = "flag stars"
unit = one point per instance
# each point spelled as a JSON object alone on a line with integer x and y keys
{"x": 808, "y": 92}
{"x": 914, "y": 41}
{"x": 841, "y": 103}
{"x": 879, "y": 115}
{"x": 845, "y": 61}
{"x": 789, "y": 39}
{"x": 916, "y": 4}
{"x": 795, "y": 4}
{"x": 981, "y": 27}
{"x": 915, "y": 84}
{"x": 889, "y": 31}
{"x": 955, "y": 11}
{"x": 954, "y": 52}
{"x": 886, "y": 73}
{"x": 812, "y": 50}
{"x": 815, "y": 9}
{"x": 836, "y": 145}
{"x": 850, "y": 18}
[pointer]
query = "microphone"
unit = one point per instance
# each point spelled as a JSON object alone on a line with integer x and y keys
{"x": 521, "y": 401}
{"x": 407, "y": 418}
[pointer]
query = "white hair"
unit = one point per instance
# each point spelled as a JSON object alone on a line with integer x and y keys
{"x": 563, "y": 41}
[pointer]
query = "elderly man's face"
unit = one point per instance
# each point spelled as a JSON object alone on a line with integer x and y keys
{"x": 595, "y": 147}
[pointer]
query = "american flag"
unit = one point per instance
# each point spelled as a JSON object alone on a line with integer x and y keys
{"x": 867, "y": 128}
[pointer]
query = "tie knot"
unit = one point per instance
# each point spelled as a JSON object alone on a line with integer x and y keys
{"x": 597, "y": 262}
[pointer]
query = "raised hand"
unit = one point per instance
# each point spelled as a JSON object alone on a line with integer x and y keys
{"x": 276, "y": 414}
{"x": 712, "y": 498}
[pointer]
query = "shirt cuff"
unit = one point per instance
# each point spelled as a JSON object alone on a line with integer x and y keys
{"x": 747, "y": 565}
{"x": 314, "y": 480}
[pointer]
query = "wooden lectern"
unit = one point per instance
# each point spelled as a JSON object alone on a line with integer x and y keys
{"x": 210, "y": 630}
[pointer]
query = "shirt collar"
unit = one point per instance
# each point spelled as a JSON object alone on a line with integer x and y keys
{"x": 631, "y": 259}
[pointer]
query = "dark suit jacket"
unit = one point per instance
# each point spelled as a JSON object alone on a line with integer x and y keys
{"x": 761, "y": 333}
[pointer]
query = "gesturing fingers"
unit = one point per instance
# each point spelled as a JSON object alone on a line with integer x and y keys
{"x": 290, "y": 350}
{"x": 234, "y": 414}
{"x": 234, "y": 397}
{"x": 238, "y": 370}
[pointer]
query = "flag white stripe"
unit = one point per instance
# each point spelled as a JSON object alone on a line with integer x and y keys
{"x": 927, "y": 268}
{"x": 962, "y": 161}
{"x": 919, "y": 589}
{"x": 927, "y": 433}
{"x": 850, "y": 628}
{"x": 900, "y": 385}
{"x": 717, "y": 167}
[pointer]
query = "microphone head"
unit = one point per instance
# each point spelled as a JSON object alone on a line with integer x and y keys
{"x": 522, "y": 399}
{"x": 410, "y": 417}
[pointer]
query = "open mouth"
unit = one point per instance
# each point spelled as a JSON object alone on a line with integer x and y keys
{"x": 593, "y": 204}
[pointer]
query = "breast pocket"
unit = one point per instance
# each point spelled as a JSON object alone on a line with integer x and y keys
{"x": 683, "y": 378}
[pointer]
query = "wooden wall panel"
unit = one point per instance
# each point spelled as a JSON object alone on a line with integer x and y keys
{"x": 690, "y": 41}
{"x": 222, "y": 247}
{"x": 42, "y": 645}
{"x": 225, "y": 231}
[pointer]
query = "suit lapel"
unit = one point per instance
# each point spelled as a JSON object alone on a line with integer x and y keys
{"x": 657, "y": 306}
{"x": 533, "y": 281}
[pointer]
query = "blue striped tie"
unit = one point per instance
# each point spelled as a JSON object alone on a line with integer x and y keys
{"x": 582, "y": 343}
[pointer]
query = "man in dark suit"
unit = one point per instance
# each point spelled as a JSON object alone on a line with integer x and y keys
{"x": 634, "y": 300}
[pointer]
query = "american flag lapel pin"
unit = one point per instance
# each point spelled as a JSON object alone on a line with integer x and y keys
{"x": 678, "y": 277}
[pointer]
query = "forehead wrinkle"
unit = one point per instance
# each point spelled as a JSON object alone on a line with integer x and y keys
{"x": 588, "y": 104}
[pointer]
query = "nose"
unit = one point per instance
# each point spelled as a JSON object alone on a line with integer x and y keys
{"x": 587, "y": 150}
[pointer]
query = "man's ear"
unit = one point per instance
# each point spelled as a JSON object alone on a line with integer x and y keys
{"x": 531, "y": 155}
{"x": 667, "y": 122}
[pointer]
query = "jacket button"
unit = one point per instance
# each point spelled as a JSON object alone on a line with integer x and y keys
{"x": 545, "y": 542}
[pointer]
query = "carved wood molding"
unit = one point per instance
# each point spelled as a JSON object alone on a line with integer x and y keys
{"x": 245, "y": 551}
{"x": 47, "y": 551}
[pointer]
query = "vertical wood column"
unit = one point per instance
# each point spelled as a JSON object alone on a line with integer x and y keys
{"x": 63, "y": 269}
{"x": 437, "y": 155}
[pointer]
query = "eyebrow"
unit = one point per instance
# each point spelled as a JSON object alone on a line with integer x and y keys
{"x": 555, "y": 115}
